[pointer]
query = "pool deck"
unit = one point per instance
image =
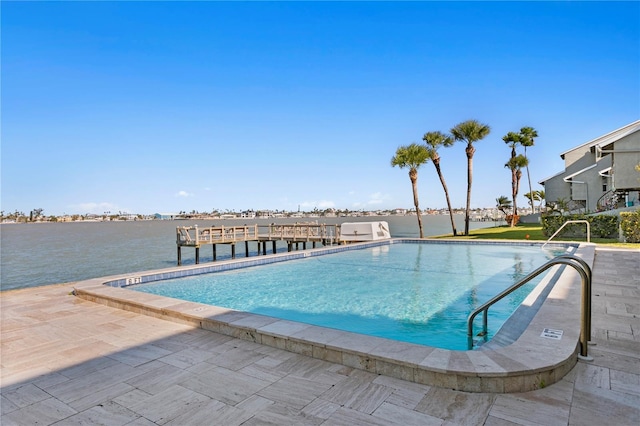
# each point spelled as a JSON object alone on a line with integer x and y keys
{"x": 69, "y": 360}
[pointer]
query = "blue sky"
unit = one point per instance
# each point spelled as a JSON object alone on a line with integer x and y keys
{"x": 160, "y": 107}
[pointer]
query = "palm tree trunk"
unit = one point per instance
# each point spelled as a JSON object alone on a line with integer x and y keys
{"x": 517, "y": 188}
{"x": 436, "y": 162}
{"x": 470, "y": 150}
{"x": 533, "y": 207}
{"x": 414, "y": 185}
{"x": 514, "y": 191}
{"x": 514, "y": 195}
{"x": 540, "y": 205}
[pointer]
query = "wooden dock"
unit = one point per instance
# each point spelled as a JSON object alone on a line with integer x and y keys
{"x": 298, "y": 233}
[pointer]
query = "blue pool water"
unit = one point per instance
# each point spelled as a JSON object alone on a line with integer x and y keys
{"x": 419, "y": 293}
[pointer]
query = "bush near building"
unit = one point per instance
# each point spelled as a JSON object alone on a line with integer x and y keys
{"x": 630, "y": 224}
{"x": 602, "y": 226}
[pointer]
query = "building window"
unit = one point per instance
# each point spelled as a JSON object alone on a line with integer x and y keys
{"x": 604, "y": 187}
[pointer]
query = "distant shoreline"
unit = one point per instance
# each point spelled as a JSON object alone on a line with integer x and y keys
{"x": 301, "y": 218}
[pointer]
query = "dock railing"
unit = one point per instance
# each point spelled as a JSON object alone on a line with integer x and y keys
{"x": 301, "y": 232}
{"x": 195, "y": 236}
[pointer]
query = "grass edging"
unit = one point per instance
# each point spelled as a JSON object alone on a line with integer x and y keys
{"x": 529, "y": 232}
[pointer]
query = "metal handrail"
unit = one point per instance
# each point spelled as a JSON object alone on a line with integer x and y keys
{"x": 565, "y": 224}
{"x": 585, "y": 318}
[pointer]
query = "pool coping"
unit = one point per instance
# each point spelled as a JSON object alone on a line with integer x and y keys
{"x": 530, "y": 362}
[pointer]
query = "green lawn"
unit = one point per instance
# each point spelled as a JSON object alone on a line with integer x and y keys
{"x": 532, "y": 232}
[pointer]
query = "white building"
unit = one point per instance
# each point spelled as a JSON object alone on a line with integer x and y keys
{"x": 600, "y": 174}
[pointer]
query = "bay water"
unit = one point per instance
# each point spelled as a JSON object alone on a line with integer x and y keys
{"x": 36, "y": 254}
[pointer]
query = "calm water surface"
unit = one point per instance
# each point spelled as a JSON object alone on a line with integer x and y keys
{"x": 394, "y": 291}
{"x": 49, "y": 253}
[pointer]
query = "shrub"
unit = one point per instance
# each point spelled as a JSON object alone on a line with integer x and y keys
{"x": 630, "y": 224}
{"x": 602, "y": 226}
{"x": 510, "y": 217}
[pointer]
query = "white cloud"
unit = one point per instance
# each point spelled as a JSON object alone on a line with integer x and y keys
{"x": 377, "y": 198}
{"x": 184, "y": 194}
{"x": 320, "y": 205}
{"x": 95, "y": 208}
{"x": 325, "y": 204}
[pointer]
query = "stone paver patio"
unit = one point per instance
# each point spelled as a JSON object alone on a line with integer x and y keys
{"x": 65, "y": 360}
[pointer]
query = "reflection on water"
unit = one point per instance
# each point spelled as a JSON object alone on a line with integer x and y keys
{"x": 518, "y": 268}
{"x": 473, "y": 297}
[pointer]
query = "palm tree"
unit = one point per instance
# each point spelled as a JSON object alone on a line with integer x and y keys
{"x": 536, "y": 196}
{"x": 469, "y": 131}
{"x": 512, "y": 139}
{"x": 532, "y": 196}
{"x": 412, "y": 156}
{"x": 515, "y": 164}
{"x": 562, "y": 205}
{"x": 503, "y": 203}
{"x": 526, "y": 139}
{"x": 434, "y": 141}
{"x": 541, "y": 196}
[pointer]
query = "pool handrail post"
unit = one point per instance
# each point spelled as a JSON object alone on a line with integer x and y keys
{"x": 485, "y": 327}
{"x": 585, "y": 316}
{"x": 567, "y": 223}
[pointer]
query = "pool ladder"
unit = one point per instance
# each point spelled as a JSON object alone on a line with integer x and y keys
{"x": 585, "y": 318}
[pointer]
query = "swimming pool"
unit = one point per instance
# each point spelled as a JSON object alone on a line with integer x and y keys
{"x": 412, "y": 291}
{"x": 521, "y": 357}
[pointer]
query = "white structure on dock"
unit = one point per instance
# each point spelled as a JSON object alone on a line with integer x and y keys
{"x": 364, "y": 231}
